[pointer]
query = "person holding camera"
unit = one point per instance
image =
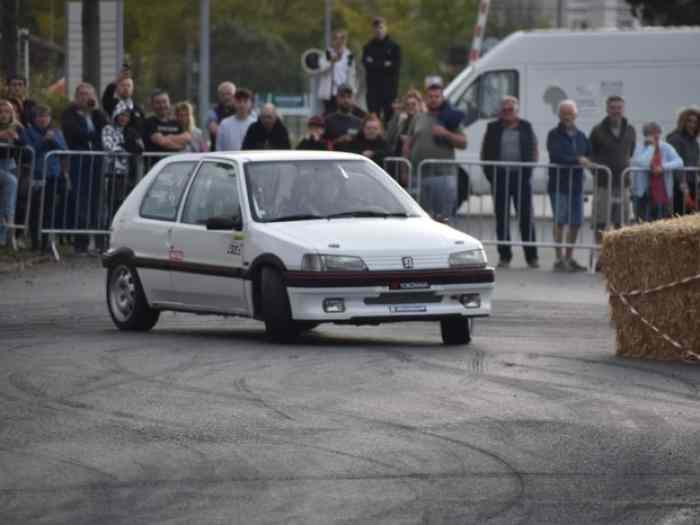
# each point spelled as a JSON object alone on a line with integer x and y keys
{"x": 82, "y": 124}
{"x": 122, "y": 91}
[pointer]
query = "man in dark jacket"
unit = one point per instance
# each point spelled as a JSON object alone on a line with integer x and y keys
{"x": 569, "y": 148}
{"x": 381, "y": 57}
{"x": 511, "y": 139}
{"x": 684, "y": 140}
{"x": 268, "y": 132}
{"x": 82, "y": 124}
{"x": 612, "y": 145}
{"x": 122, "y": 90}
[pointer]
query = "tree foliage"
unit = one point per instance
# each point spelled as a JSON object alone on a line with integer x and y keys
{"x": 667, "y": 12}
{"x": 258, "y": 44}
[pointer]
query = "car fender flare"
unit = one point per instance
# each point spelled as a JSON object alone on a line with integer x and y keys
{"x": 113, "y": 257}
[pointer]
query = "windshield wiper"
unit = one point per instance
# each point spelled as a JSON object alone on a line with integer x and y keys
{"x": 367, "y": 213}
{"x": 298, "y": 217}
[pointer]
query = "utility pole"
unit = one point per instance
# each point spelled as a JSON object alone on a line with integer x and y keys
{"x": 560, "y": 13}
{"x": 8, "y": 28}
{"x": 204, "y": 56}
{"x": 91, "y": 42}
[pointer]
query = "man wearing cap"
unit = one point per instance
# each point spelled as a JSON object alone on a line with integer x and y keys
{"x": 233, "y": 129}
{"x": 435, "y": 134}
{"x": 313, "y": 140}
{"x": 342, "y": 125}
{"x": 381, "y": 57}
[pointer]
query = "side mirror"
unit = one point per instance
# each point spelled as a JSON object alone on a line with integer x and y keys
{"x": 225, "y": 223}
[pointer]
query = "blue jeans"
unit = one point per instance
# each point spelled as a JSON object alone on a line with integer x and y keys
{"x": 439, "y": 190}
{"x": 8, "y": 200}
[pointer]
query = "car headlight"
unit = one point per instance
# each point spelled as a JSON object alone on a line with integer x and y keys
{"x": 468, "y": 259}
{"x": 312, "y": 262}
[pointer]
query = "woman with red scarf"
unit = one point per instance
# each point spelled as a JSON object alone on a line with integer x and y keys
{"x": 652, "y": 178}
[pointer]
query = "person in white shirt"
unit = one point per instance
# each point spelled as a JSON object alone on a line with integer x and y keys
{"x": 336, "y": 68}
{"x": 233, "y": 129}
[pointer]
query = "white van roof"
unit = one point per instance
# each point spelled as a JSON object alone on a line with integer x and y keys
{"x": 600, "y": 45}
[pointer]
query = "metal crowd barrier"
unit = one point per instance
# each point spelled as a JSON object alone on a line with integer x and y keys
{"x": 401, "y": 169}
{"x": 16, "y": 173}
{"x": 508, "y": 197}
{"x": 84, "y": 205}
{"x": 639, "y": 179}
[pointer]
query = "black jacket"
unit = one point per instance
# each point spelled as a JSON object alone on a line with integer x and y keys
{"x": 491, "y": 147}
{"x": 382, "y": 61}
{"x": 109, "y": 102}
{"x": 360, "y": 144}
{"x": 75, "y": 129}
{"x": 311, "y": 144}
{"x": 258, "y": 137}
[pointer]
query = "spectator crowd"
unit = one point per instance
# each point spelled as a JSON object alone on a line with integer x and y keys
{"x": 416, "y": 126}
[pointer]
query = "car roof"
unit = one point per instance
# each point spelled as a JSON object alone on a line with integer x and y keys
{"x": 266, "y": 155}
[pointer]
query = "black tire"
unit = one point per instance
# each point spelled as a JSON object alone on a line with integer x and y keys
{"x": 456, "y": 330}
{"x": 276, "y": 312}
{"x": 126, "y": 300}
{"x": 306, "y": 326}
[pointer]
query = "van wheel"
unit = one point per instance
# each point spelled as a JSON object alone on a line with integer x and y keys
{"x": 126, "y": 300}
{"x": 276, "y": 311}
{"x": 456, "y": 331}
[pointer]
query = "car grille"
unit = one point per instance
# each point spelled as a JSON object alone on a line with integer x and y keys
{"x": 394, "y": 262}
{"x": 405, "y": 298}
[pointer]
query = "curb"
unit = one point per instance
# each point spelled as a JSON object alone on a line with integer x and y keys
{"x": 23, "y": 264}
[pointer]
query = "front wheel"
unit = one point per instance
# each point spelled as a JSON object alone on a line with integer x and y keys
{"x": 276, "y": 311}
{"x": 456, "y": 330}
{"x": 126, "y": 300}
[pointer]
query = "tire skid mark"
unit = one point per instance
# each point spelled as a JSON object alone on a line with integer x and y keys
{"x": 604, "y": 382}
{"x": 693, "y": 388}
{"x": 63, "y": 460}
{"x": 242, "y": 385}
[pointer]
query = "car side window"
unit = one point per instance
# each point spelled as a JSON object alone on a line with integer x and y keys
{"x": 214, "y": 193}
{"x": 482, "y": 99}
{"x": 162, "y": 199}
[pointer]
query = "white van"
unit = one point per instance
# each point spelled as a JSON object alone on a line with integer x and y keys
{"x": 656, "y": 70}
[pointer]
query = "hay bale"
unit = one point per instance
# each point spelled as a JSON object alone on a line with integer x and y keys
{"x": 646, "y": 256}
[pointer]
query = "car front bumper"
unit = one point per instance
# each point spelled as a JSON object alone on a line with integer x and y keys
{"x": 370, "y": 297}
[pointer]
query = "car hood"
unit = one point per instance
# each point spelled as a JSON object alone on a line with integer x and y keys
{"x": 373, "y": 237}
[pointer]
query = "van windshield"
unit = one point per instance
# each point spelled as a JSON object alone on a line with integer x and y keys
{"x": 482, "y": 98}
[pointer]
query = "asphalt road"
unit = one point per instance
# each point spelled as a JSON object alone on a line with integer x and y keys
{"x": 203, "y": 421}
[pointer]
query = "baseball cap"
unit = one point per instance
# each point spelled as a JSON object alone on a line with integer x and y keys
{"x": 345, "y": 89}
{"x": 317, "y": 121}
{"x": 434, "y": 81}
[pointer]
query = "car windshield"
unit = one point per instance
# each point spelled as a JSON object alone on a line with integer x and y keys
{"x": 323, "y": 189}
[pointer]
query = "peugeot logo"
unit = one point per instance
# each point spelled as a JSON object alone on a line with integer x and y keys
{"x": 407, "y": 262}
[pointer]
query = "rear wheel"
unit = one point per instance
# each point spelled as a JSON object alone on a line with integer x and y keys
{"x": 276, "y": 312}
{"x": 456, "y": 330}
{"x": 126, "y": 300}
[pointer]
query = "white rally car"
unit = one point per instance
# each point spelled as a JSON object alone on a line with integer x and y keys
{"x": 293, "y": 238}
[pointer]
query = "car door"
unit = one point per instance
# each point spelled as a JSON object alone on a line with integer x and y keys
{"x": 151, "y": 231}
{"x": 209, "y": 273}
